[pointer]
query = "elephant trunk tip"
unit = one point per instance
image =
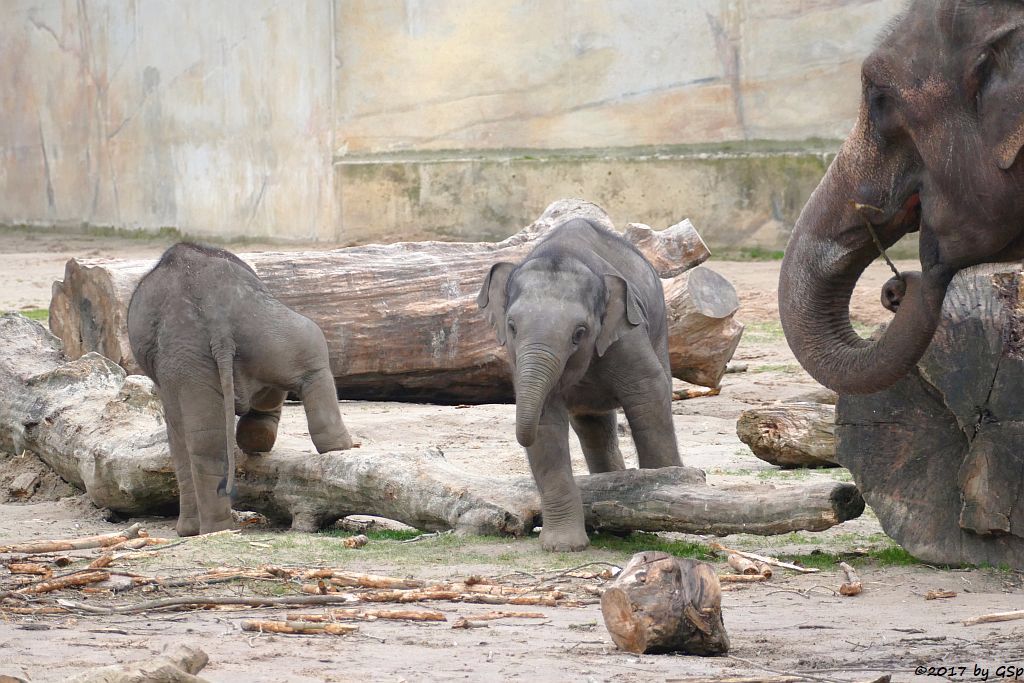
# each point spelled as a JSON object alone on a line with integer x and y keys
{"x": 526, "y": 436}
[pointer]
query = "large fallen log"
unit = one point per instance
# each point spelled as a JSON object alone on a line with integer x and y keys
{"x": 401, "y": 320}
{"x": 791, "y": 434}
{"x": 939, "y": 455}
{"x": 104, "y": 432}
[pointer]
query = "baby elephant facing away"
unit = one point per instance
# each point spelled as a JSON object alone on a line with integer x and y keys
{"x": 583, "y": 317}
{"x": 217, "y": 344}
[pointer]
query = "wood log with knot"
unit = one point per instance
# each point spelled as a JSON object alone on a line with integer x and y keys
{"x": 791, "y": 434}
{"x": 401, "y": 320}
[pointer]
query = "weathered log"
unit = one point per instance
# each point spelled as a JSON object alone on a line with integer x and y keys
{"x": 660, "y": 603}
{"x": 791, "y": 434}
{"x": 852, "y": 585}
{"x": 100, "y": 541}
{"x": 177, "y": 666}
{"x": 939, "y": 455}
{"x": 298, "y": 627}
{"x": 401, "y": 320}
{"x": 104, "y": 432}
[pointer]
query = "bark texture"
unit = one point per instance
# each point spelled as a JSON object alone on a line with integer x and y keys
{"x": 938, "y": 456}
{"x": 401, "y": 320}
{"x": 104, "y": 432}
{"x": 660, "y": 603}
{"x": 791, "y": 434}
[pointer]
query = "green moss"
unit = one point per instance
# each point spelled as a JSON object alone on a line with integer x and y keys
{"x": 795, "y": 474}
{"x": 41, "y": 314}
{"x": 890, "y": 555}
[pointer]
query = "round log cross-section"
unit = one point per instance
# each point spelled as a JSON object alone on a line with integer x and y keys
{"x": 938, "y": 456}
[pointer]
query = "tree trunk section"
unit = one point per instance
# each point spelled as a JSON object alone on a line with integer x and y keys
{"x": 791, "y": 434}
{"x": 938, "y": 456}
{"x": 401, "y": 320}
{"x": 104, "y": 432}
{"x": 660, "y": 603}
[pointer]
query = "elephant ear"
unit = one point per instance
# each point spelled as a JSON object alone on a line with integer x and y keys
{"x": 1001, "y": 96}
{"x": 493, "y": 299}
{"x": 624, "y": 311}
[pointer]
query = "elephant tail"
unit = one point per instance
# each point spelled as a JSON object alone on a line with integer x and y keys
{"x": 224, "y": 354}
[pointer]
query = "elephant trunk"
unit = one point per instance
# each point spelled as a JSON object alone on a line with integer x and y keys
{"x": 829, "y": 249}
{"x": 537, "y": 372}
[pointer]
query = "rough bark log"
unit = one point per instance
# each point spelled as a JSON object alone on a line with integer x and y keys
{"x": 419, "y": 298}
{"x": 791, "y": 434}
{"x": 298, "y": 627}
{"x": 660, "y": 603}
{"x": 177, "y": 666}
{"x": 104, "y": 432}
{"x": 939, "y": 455}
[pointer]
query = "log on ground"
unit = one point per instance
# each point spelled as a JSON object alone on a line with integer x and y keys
{"x": 421, "y": 298}
{"x": 660, "y": 603}
{"x": 104, "y": 432}
{"x": 938, "y": 456}
{"x": 791, "y": 434}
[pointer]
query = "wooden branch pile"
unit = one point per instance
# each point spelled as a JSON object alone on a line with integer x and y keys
{"x": 401, "y": 320}
{"x": 939, "y": 455}
{"x": 104, "y": 432}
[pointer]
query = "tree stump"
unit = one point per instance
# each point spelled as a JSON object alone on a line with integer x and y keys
{"x": 401, "y": 320}
{"x": 791, "y": 434}
{"x": 660, "y": 603}
{"x": 939, "y": 456}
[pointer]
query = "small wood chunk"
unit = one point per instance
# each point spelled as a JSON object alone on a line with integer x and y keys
{"x": 939, "y": 595}
{"x": 764, "y": 570}
{"x": 30, "y": 568}
{"x": 355, "y": 541}
{"x": 297, "y": 627}
{"x": 659, "y": 603}
{"x": 791, "y": 434}
{"x": 742, "y": 565}
{"x": 24, "y": 485}
{"x": 853, "y": 584}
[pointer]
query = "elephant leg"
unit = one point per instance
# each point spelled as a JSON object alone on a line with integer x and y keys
{"x": 257, "y": 429}
{"x": 599, "y": 439}
{"x": 188, "y": 511}
{"x": 205, "y": 436}
{"x": 646, "y": 398}
{"x": 561, "y": 506}
{"x": 320, "y": 401}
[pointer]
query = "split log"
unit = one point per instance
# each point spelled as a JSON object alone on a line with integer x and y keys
{"x": 180, "y": 665}
{"x": 419, "y": 298}
{"x": 791, "y": 434}
{"x": 938, "y": 456}
{"x": 101, "y": 541}
{"x": 852, "y": 585}
{"x": 104, "y": 432}
{"x": 660, "y": 603}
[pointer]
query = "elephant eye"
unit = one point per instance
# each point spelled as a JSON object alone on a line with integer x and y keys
{"x": 512, "y": 328}
{"x": 577, "y": 336}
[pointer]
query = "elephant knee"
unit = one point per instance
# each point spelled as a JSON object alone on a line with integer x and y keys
{"x": 256, "y": 432}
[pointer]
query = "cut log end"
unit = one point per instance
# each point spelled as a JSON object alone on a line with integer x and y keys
{"x": 659, "y": 603}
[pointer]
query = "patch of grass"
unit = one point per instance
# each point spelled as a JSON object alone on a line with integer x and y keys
{"x": 797, "y": 474}
{"x": 841, "y": 474}
{"x": 741, "y": 472}
{"x": 890, "y": 555}
{"x": 785, "y": 368}
{"x": 40, "y": 314}
{"x": 639, "y": 541}
{"x": 377, "y": 535}
{"x": 762, "y": 332}
{"x": 749, "y": 254}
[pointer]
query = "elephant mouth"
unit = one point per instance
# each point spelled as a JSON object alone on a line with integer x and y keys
{"x": 891, "y": 225}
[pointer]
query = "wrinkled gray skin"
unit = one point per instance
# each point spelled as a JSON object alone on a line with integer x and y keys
{"x": 583, "y": 318}
{"x": 205, "y": 329}
{"x": 936, "y": 148}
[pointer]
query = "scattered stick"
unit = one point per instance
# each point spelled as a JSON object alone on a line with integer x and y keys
{"x": 853, "y": 584}
{"x": 69, "y": 581}
{"x": 766, "y": 560}
{"x": 297, "y": 627}
{"x": 370, "y": 615}
{"x": 30, "y": 568}
{"x": 742, "y": 578}
{"x": 342, "y": 578}
{"x": 742, "y": 565}
{"x": 101, "y": 561}
{"x": 187, "y": 602}
{"x": 995, "y": 617}
{"x": 32, "y": 610}
{"x": 939, "y": 595}
{"x": 480, "y": 620}
{"x": 688, "y": 393}
{"x": 101, "y": 541}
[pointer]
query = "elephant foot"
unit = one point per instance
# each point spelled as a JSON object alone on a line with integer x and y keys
{"x": 218, "y": 525}
{"x": 564, "y": 540}
{"x": 325, "y": 443}
{"x": 187, "y": 526}
{"x": 256, "y": 432}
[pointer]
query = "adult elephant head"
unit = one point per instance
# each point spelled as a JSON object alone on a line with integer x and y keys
{"x": 936, "y": 148}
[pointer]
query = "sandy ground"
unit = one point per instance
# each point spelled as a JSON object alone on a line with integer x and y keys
{"x": 794, "y": 624}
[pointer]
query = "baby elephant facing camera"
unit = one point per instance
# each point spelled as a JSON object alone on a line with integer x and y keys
{"x": 583, "y": 318}
{"x": 217, "y": 344}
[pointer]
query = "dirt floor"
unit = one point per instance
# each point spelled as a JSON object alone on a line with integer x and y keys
{"x": 794, "y": 624}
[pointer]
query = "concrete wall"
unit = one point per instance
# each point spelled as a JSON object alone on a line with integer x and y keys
{"x": 394, "y": 119}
